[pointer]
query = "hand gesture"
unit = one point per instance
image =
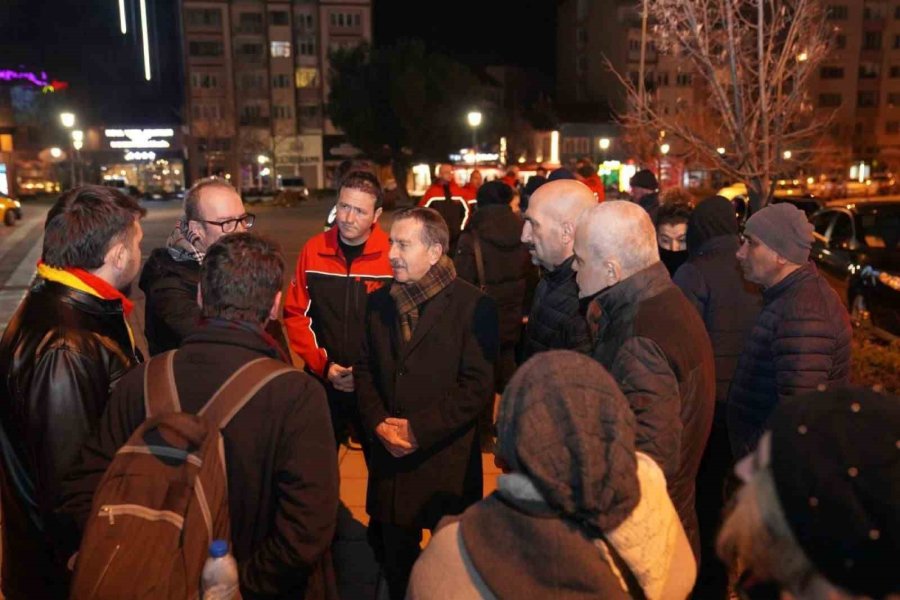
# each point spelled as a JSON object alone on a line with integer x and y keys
{"x": 341, "y": 377}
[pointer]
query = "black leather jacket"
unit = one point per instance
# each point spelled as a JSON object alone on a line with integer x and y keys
{"x": 59, "y": 355}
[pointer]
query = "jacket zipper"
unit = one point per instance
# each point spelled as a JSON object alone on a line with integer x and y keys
{"x": 111, "y": 510}
{"x": 105, "y": 569}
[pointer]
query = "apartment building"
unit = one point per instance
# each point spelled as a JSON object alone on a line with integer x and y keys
{"x": 257, "y": 85}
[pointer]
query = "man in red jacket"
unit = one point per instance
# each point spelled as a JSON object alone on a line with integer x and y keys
{"x": 451, "y": 201}
{"x": 325, "y": 310}
{"x": 587, "y": 174}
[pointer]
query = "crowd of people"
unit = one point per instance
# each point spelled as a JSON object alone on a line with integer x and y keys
{"x": 666, "y": 393}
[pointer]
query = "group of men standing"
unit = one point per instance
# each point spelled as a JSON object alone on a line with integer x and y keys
{"x": 404, "y": 349}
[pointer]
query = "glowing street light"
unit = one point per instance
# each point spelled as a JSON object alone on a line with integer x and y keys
{"x": 55, "y": 152}
{"x": 787, "y": 155}
{"x": 67, "y": 119}
{"x": 803, "y": 56}
{"x": 77, "y": 135}
{"x": 474, "y": 118}
{"x": 604, "y": 143}
{"x": 665, "y": 149}
{"x": 262, "y": 159}
{"x": 720, "y": 150}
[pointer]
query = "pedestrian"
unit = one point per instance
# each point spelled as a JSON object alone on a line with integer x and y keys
{"x": 555, "y": 321}
{"x": 425, "y": 375}
{"x": 586, "y": 173}
{"x": 212, "y": 208}
{"x": 325, "y": 310}
{"x": 802, "y": 336}
{"x": 575, "y": 493}
{"x": 650, "y": 338}
{"x": 471, "y": 188}
{"x": 281, "y": 467}
{"x": 711, "y": 279}
{"x": 492, "y": 257}
{"x": 67, "y": 344}
{"x": 534, "y": 182}
{"x": 450, "y": 201}
{"x": 671, "y": 227}
{"x": 645, "y": 191}
{"x": 817, "y": 516}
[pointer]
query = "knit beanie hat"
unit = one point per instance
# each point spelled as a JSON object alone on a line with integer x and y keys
{"x": 494, "y": 192}
{"x": 785, "y": 229}
{"x": 560, "y": 173}
{"x": 565, "y": 425}
{"x": 835, "y": 460}
{"x": 644, "y": 179}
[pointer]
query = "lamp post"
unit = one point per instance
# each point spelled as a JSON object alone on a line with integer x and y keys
{"x": 474, "y": 118}
{"x": 68, "y": 121}
{"x": 261, "y": 159}
{"x": 78, "y": 144}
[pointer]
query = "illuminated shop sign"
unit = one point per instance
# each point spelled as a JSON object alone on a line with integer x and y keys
{"x": 39, "y": 79}
{"x": 139, "y": 138}
{"x": 140, "y": 155}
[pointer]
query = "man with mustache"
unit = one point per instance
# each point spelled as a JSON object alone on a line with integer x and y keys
{"x": 426, "y": 373}
{"x": 555, "y": 322}
{"x": 325, "y": 309}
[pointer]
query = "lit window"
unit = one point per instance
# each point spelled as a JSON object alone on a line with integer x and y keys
{"x": 307, "y": 77}
{"x": 281, "y": 49}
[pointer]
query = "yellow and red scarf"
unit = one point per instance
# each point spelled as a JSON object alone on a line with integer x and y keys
{"x": 81, "y": 280}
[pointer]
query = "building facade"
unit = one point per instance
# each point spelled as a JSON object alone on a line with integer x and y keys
{"x": 257, "y": 85}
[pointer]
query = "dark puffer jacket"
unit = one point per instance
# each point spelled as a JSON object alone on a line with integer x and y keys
{"x": 651, "y": 340}
{"x": 171, "y": 309}
{"x": 507, "y": 265}
{"x": 712, "y": 280}
{"x": 801, "y": 339}
{"x": 555, "y": 322}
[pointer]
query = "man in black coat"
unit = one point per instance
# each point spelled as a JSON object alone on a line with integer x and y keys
{"x": 800, "y": 340}
{"x": 425, "y": 374}
{"x": 279, "y": 448}
{"x": 650, "y": 338}
{"x": 728, "y": 304}
{"x": 212, "y": 208}
{"x": 555, "y": 322}
{"x": 67, "y": 343}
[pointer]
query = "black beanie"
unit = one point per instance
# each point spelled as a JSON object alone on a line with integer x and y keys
{"x": 494, "y": 192}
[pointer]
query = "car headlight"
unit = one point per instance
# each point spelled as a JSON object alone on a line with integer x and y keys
{"x": 892, "y": 281}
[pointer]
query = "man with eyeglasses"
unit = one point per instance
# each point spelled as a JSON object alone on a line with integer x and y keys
{"x": 212, "y": 209}
{"x": 325, "y": 310}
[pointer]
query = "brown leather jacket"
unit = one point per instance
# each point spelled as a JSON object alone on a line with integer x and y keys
{"x": 59, "y": 355}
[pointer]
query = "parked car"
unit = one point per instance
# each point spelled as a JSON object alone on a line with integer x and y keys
{"x": 808, "y": 203}
{"x": 857, "y": 249}
{"x": 10, "y": 210}
{"x": 885, "y": 184}
{"x": 786, "y": 190}
{"x": 826, "y": 186}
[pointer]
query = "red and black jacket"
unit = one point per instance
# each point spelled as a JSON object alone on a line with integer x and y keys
{"x": 325, "y": 310}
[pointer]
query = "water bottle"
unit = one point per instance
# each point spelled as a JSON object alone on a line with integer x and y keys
{"x": 220, "y": 573}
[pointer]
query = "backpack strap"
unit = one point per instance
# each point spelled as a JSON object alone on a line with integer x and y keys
{"x": 160, "y": 393}
{"x": 479, "y": 260}
{"x": 240, "y": 388}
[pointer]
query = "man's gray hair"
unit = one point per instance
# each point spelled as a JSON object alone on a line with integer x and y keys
{"x": 434, "y": 227}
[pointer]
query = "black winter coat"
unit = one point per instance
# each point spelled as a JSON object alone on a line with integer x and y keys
{"x": 440, "y": 380}
{"x": 555, "y": 321}
{"x": 712, "y": 280}
{"x": 507, "y": 265}
{"x": 279, "y": 454}
{"x": 60, "y": 354}
{"x": 800, "y": 340}
{"x": 654, "y": 344}
{"x": 171, "y": 309}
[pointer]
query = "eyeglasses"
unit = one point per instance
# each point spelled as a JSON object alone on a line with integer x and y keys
{"x": 230, "y": 225}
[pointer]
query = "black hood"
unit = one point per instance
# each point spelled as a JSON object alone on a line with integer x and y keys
{"x": 712, "y": 217}
{"x": 497, "y": 224}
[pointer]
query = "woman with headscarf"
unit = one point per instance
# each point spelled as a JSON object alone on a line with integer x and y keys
{"x": 712, "y": 280}
{"x": 578, "y": 513}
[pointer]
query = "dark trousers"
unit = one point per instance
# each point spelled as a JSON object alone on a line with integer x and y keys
{"x": 713, "y": 481}
{"x": 396, "y": 550}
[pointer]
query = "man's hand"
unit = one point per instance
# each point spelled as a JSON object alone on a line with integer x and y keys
{"x": 391, "y": 440}
{"x": 341, "y": 377}
{"x": 404, "y": 430}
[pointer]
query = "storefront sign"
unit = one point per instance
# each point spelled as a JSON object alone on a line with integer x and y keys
{"x": 140, "y": 156}
{"x": 139, "y": 138}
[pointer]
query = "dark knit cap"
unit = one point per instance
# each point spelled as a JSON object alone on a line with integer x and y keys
{"x": 644, "y": 179}
{"x": 836, "y": 464}
{"x": 565, "y": 424}
{"x": 785, "y": 229}
{"x": 494, "y": 192}
{"x": 560, "y": 173}
{"x": 713, "y": 217}
{"x": 534, "y": 182}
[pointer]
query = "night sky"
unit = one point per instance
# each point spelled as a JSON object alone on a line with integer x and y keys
{"x": 79, "y": 41}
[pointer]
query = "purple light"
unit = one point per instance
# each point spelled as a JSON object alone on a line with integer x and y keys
{"x": 9, "y": 75}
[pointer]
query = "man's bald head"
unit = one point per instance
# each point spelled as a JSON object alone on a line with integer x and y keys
{"x": 613, "y": 241}
{"x": 553, "y": 213}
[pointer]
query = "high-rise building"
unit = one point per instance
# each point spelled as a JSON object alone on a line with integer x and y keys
{"x": 859, "y": 81}
{"x": 257, "y": 85}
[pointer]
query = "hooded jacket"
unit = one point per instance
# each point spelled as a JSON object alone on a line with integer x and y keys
{"x": 507, "y": 265}
{"x": 712, "y": 280}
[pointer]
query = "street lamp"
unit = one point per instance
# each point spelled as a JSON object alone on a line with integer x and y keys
{"x": 787, "y": 155}
{"x": 261, "y": 159}
{"x": 68, "y": 121}
{"x": 604, "y": 144}
{"x": 474, "y": 118}
{"x": 664, "y": 149}
{"x": 78, "y": 144}
{"x": 55, "y": 152}
{"x": 720, "y": 150}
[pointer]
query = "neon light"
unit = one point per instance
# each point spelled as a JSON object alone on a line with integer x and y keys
{"x": 122, "y": 24}
{"x": 139, "y": 138}
{"x": 38, "y": 80}
{"x": 146, "y": 40}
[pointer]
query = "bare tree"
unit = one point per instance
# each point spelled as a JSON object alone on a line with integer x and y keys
{"x": 752, "y": 59}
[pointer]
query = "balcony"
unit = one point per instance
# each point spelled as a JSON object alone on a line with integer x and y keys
{"x": 247, "y": 121}
{"x": 249, "y": 29}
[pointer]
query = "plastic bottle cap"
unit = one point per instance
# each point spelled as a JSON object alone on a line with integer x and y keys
{"x": 218, "y": 548}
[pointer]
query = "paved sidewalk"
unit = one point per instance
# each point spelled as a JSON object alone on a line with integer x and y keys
{"x": 357, "y": 572}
